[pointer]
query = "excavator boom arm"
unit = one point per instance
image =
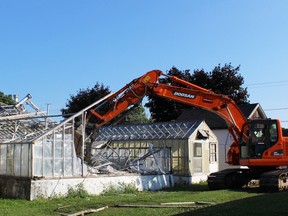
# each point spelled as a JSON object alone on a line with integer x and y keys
{"x": 216, "y": 103}
{"x": 189, "y": 94}
{"x": 127, "y": 96}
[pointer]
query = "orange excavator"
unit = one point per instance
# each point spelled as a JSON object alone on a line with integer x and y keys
{"x": 258, "y": 144}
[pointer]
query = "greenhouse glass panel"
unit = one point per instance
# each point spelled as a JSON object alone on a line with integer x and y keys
{"x": 3, "y": 159}
{"x": 54, "y": 155}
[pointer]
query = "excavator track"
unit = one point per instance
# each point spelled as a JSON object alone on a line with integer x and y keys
{"x": 229, "y": 178}
{"x": 274, "y": 180}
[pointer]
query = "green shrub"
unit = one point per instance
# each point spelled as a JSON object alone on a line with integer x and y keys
{"x": 78, "y": 191}
{"x": 121, "y": 188}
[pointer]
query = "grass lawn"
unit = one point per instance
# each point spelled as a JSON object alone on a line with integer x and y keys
{"x": 227, "y": 202}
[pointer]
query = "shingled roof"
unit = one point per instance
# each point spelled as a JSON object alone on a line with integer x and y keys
{"x": 250, "y": 111}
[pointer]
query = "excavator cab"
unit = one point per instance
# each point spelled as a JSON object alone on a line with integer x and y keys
{"x": 263, "y": 152}
{"x": 258, "y": 136}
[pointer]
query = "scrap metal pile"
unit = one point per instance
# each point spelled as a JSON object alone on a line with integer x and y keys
{"x": 149, "y": 160}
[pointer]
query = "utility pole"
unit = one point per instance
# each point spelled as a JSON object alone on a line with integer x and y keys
{"x": 47, "y": 114}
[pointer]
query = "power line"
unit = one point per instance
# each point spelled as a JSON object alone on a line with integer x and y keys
{"x": 280, "y": 83}
{"x": 273, "y": 109}
{"x": 267, "y": 83}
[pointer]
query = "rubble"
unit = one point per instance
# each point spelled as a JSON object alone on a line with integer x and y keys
{"x": 108, "y": 159}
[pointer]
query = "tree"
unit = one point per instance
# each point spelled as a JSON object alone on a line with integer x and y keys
{"x": 162, "y": 109}
{"x": 86, "y": 97}
{"x": 136, "y": 116}
{"x": 6, "y": 99}
{"x": 224, "y": 80}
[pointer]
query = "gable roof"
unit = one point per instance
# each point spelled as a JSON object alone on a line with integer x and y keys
{"x": 160, "y": 130}
{"x": 214, "y": 121}
{"x": 253, "y": 111}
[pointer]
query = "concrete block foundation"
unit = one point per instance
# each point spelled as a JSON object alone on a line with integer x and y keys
{"x": 31, "y": 189}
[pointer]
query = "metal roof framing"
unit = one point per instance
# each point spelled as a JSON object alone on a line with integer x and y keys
{"x": 18, "y": 125}
{"x": 163, "y": 130}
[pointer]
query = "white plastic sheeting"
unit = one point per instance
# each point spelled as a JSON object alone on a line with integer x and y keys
{"x": 15, "y": 159}
{"x": 54, "y": 156}
{"x": 50, "y": 156}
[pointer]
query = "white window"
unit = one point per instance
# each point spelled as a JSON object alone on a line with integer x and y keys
{"x": 213, "y": 153}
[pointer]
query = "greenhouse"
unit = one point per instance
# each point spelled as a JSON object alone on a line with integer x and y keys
{"x": 42, "y": 158}
{"x": 192, "y": 146}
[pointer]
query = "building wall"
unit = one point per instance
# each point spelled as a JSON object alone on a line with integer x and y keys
{"x": 198, "y": 159}
{"x": 178, "y": 148}
{"x": 200, "y": 164}
{"x": 224, "y": 140}
{"x": 180, "y": 156}
{"x": 97, "y": 185}
{"x": 15, "y": 160}
{"x": 31, "y": 189}
{"x": 15, "y": 187}
{"x": 54, "y": 155}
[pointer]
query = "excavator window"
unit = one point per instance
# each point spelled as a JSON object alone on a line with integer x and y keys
{"x": 273, "y": 134}
{"x": 257, "y": 141}
{"x": 257, "y": 136}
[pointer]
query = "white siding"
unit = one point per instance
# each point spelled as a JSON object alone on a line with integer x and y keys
{"x": 224, "y": 142}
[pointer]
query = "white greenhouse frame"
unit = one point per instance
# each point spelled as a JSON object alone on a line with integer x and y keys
{"x": 29, "y": 147}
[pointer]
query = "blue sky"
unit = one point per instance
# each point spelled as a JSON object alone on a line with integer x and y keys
{"x": 52, "y": 49}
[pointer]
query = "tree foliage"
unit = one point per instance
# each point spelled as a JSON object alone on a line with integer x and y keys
{"x": 84, "y": 98}
{"x": 224, "y": 80}
{"x": 6, "y": 99}
{"x": 136, "y": 116}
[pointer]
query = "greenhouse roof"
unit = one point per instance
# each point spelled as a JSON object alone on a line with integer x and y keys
{"x": 19, "y": 125}
{"x": 163, "y": 130}
{"x": 20, "y": 131}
